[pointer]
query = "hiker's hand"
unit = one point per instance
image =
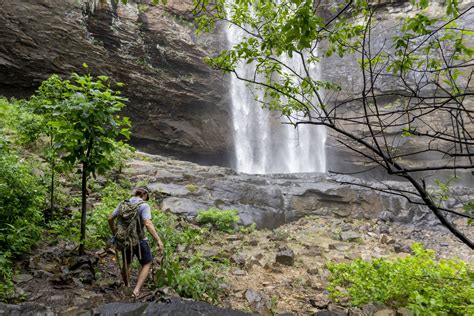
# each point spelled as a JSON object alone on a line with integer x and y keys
{"x": 159, "y": 249}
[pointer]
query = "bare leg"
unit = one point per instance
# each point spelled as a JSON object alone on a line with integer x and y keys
{"x": 142, "y": 275}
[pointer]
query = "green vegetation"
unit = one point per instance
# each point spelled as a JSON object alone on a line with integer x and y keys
{"x": 419, "y": 282}
{"x": 67, "y": 125}
{"x": 191, "y": 187}
{"x": 21, "y": 193}
{"x": 223, "y": 220}
{"x": 97, "y": 229}
{"x": 190, "y": 276}
{"x": 82, "y": 114}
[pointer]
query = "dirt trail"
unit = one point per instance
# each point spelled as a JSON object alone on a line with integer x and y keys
{"x": 54, "y": 275}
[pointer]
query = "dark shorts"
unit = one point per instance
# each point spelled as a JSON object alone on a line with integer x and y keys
{"x": 143, "y": 254}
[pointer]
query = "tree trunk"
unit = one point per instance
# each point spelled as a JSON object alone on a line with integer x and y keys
{"x": 51, "y": 201}
{"x": 84, "y": 208}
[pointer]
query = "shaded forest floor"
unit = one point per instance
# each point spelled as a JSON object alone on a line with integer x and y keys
{"x": 256, "y": 281}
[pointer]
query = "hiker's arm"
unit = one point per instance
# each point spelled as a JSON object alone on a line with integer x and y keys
{"x": 112, "y": 223}
{"x": 151, "y": 229}
{"x": 111, "y": 220}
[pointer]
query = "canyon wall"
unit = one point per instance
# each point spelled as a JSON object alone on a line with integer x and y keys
{"x": 178, "y": 105}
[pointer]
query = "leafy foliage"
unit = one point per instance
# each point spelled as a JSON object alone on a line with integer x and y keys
{"x": 285, "y": 43}
{"x": 98, "y": 231}
{"x": 419, "y": 282}
{"x": 19, "y": 126}
{"x": 21, "y": 196}
{"x": 193, "y": 276}
{"x": 224, "y": 220}
{"x": 82, "y": 115}
{"x": 6, "y": 274}
{"x": 21, "y": 199}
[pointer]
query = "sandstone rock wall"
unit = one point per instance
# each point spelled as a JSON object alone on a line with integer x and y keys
{"x": 179, "y": 105}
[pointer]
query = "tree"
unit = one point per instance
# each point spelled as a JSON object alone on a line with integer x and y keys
{"x": 83, "y": 113}
{"x": 429, "y": 61}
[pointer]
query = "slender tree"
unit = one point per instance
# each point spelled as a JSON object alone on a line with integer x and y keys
{"x": 87, "y": 126}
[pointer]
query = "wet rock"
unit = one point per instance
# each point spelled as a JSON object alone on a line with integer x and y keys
{"x": 320, "y": 301}
{"x": 385, "y": 239}
{"x": 108, "y": 283}
{"x": 208, "y": 253}
{"x": 78, "y": 301}
{"x": 20, "y": 291}
{"x": 258, "y": 301}
{"x": 312, "y": 271}
{"x": 371, "y": 309}
{"x": 171, "y": 307}
{"x": 399, "y": 248}
{"x": 354, "y": 311}
{"x": 22, "y": 278}
{"x": 350, "y": 236}
{"x": 329, "y": 313}
{"x": 47, "y": 266}
{"x": 239, "y": 272}
{"x": 57, "y": 298}
{"x": 253, "y": 242}
{"x": 252, "y": 296}
{"x": 385, "y": 312}
{"x": 238, "y": 259}
{"x": 286, "y": 257}
{"x": 25, "y": 309}
{"x": 340, "y": 247}
{"x": 338, "y": 310}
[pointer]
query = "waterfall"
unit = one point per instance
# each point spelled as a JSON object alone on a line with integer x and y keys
{"x": 263, "y": 142}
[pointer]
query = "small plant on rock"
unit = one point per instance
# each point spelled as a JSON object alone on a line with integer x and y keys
{"x": 193, "y": 188}
{"x": 223, "y": 220}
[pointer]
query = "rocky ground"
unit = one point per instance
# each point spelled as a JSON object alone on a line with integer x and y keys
{"x": 305, "y": 221}
{"x": 273, "y": 271}
{"x": 284, "y": 270}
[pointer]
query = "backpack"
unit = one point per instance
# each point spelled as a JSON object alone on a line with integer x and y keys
{"x": 129, "y": 230}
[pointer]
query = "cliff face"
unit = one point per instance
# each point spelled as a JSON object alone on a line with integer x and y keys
{"x": 179, "y": 106}
{"x": 346, "y": 72}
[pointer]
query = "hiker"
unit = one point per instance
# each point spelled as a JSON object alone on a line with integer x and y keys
{"x": 132, "y": 216}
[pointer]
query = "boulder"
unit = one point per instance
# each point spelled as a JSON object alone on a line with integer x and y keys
{"x": 286, "y": 257}
{"x": 350, "y": 236}
{"x": 320, "y": 301}
{"x": 22, "y": 278}
{"x": 238, "y": 259}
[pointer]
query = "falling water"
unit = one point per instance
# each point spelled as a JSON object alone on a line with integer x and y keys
{"x": 263, "y": 142}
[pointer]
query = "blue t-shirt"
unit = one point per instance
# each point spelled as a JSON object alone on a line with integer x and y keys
{"x": 143, "y": 210}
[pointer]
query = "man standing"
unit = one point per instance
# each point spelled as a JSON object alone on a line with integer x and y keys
{"x": 141, "y": 211}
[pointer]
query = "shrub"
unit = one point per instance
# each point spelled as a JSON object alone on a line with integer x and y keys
{"x": 191, "y": 187}
{"x": 425, "y": 286}
{"x": 97, "y": 227}
{"x": 190, "y": 276}
{"x": 18, "y": 123}
{"x": 224, "y": 220}
{"x": 21, "y": 200}
{"x": 6, "y": 284}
